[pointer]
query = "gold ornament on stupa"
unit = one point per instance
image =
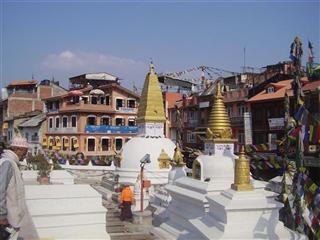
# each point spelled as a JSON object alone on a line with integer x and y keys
{"x": 218, "y": 123}
{"x": 151, "y": 107}
{"x": 242, "y": 173}
{"x": 177, "y": 160}
{"x": 164, "y": 160}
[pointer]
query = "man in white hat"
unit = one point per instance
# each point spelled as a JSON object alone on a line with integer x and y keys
{"x": 13, "y": 207}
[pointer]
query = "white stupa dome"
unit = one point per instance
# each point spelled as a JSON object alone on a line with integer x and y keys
{"x": 136, "y": 148}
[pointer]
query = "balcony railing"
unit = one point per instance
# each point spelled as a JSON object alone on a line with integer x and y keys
{"x": 63, "y": 130}
{"x": 34, "y": 139}
{"x": 127, "y": 110}
{"x": 236, "y": 120}
{"x": 111, "y": 129}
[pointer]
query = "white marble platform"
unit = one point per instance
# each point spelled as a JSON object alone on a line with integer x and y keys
{"x": 56, "y": 177}
{"x": 67, "y": 211}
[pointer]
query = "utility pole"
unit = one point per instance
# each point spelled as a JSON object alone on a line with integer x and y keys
{"x": 143, "y": 161}
{"x": 141, "y": 186}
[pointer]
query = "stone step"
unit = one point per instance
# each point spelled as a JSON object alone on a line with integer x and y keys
{"x": 116, "y": 229}
{"x": 132, "y": 236}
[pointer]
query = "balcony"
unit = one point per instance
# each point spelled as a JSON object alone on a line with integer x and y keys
{"x": 63, "y": 130}
{"x": 34, "y": 139}
{"x": 85, "y": 107}
{"x": 192, "y": 123}
{"x": 111, "y": 129}
{"x": 127, "y": 110}
{"x": 236, "y": 121}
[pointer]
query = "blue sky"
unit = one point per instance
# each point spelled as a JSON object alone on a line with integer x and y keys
{"x": 68, "y": 38}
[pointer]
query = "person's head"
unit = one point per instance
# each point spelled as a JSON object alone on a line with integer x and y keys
{"x": 20, "y": 147}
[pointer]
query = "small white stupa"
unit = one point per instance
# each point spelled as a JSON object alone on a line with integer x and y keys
{"x": 213, "y": 172}
{"x": 150, "y": 139}
{"x": 242, "y": 212}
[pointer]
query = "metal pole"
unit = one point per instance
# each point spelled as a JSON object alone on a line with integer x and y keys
{"x": 141, "y": 187}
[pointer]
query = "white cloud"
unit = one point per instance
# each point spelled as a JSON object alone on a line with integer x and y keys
{"x": 89, "y": 61}
{"x": 71, "y": 63}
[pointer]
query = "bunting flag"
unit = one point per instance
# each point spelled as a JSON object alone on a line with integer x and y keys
{"x": 302, "y": 115}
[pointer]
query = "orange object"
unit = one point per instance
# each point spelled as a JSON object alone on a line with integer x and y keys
{"x": 126, "y": 195}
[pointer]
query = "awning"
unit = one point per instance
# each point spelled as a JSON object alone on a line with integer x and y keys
{"x": 44, "y": 141}
{"x": 58, "y": 142}
{"x": 75, "y": 93}
{"x": 75, "y": 143}
{"x": 66, "y": 142}
{"x": 96, "y": 92}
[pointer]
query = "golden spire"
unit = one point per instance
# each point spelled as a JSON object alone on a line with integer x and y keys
{"x": 164, "y": 160}
{"x": 242, "y": 173}
{"x": 219, "y": 123}
{"x": 177, "y": 160}
{"x": 151, "y": 107}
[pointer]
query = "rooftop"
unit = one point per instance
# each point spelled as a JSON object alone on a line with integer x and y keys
{"x": 19, "y": 83}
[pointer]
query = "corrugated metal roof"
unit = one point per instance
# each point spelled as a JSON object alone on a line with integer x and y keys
{"x": 34, "y": 121}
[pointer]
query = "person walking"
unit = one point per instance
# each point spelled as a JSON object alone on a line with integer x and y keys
{"x": 13, "y": 208}
{"x": 127, "y": 199}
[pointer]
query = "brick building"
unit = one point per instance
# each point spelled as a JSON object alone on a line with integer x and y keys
{"x": 21, "y": 97}
{"x": 91, "y": 121}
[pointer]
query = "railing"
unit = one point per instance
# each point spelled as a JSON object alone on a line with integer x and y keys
{"x": 192, "y": 123}
{"x": 127, "y": 110}
{"x": 111, "y": 129}
{"x": 63, "y": 130}
{"x": 236, "y": 120}
{"x": 34, "y": 139}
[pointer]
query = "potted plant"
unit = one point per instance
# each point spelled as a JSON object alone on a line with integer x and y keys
{"x": 44, "y": 169}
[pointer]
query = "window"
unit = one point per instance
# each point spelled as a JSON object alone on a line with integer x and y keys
{"x": 131, "y": 103}
{"x": 65, "y": 143}
{"x": 102, "y": 99}
{"x": 120, "y": 121}
{"x": 241, "y": 110}
{"x": 241, "y": 138}
{"x": 94, "y": 100}
{"x": 64, "y": 122}
{"x": 131, "y": 122}
{"x": 118, "y": 144}
{"x": 57, "y": 122}
{"x": 229, "y": 109}
{"x": 91, "y": 144}
{"x": 75, "y": 99}
{"x": 270, "y": 89}
{"x": 85, "y": 100}
{"x": 105, "y": 142}
{"x": 73, "y": 121}
{"x": 27, "y": 136}
{"x": 50, "y": 123}
{"x": 119, "y": 103}
{"x": 91, "y": 120}
{"x": 105, "y": 121}
{"x": 107, "y": 100}
{"x": 191, "y": 137}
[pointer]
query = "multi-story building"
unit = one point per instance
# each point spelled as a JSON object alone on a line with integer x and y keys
{"x": 21, "y": 97}
{"x": 91, "y": 121}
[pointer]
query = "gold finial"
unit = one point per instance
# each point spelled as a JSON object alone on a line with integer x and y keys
{"x": 151, "y": 107}
{"x": 177, "y": 157}
{"x": 151, "y": 67}
{"x": 242, "y": 173}
{"x": 164, "y": 160}
{"x": 219, "y": 123}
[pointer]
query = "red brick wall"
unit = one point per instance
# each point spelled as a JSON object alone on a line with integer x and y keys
{"x": 45, "y": 91}
{"x": 17, "y": 107}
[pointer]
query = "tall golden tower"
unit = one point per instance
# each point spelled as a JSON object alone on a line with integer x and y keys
{"x": 219, "y": 129}
{"x": 151, "y": 107}
{"x": 242, "y": 173}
